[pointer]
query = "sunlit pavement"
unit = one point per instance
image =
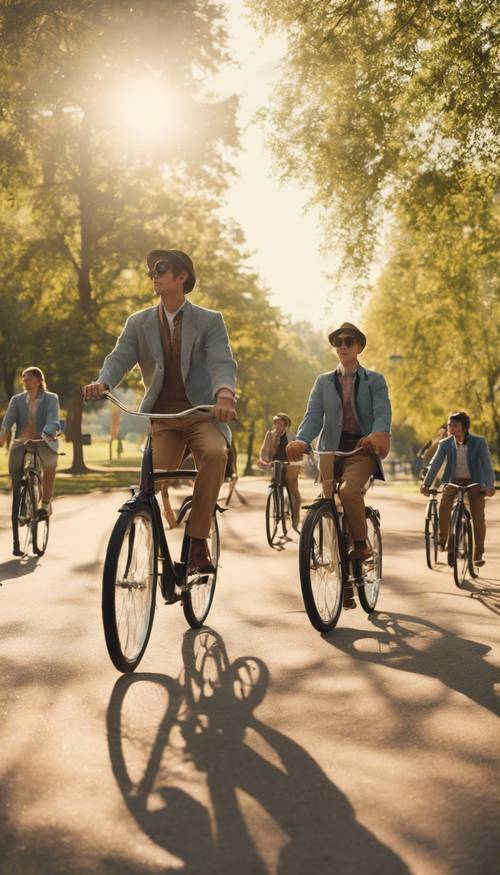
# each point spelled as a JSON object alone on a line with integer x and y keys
{"x": 255, "y": 745}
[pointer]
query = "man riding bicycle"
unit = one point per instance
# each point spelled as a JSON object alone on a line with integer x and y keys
{"x": 348, "y": 408}
{"x": 185, "y": 359}
{"x": 34, "y": 414}
{"x": 274, "y": 449}
{"x": 468, "y": 460}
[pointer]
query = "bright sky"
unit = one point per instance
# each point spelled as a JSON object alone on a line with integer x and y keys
{"x": 284, "y": 238}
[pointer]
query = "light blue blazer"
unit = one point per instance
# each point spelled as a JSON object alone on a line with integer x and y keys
{"x": 478, "y": 461}
{"x": 46, "y": 417}
{"x": 206, "y": 359}
{"x": 370, "y": 404}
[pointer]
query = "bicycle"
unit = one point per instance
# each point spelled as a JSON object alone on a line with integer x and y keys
{"x": 431, "y": 529}
{"x": 324, "y": 565}
{"x": 137, "y": 546}
{"x": 29, "y": 501}
{"x": 278, "y": 504}
{"x": 461, "y": 542}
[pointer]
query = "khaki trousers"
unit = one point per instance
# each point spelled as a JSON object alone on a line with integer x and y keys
{"x": 292, "y": 481}
{"x": 476, "y": 504}
{"x": 209, "y": 449}
{"x": 355, "y": 473}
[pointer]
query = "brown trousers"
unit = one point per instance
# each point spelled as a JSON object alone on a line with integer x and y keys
{"x": 476, "y": 504}
{"x": 355, "y": 473}
{"x": 209, "y": 450}
{"x": 292, "y": 481}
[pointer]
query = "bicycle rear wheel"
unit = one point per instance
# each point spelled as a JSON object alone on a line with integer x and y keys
{"x": 371, "y": 568}
{"x": 320, "y": 566}
{"x": 431, "y": 536}
{"x": 26, "y": 514}
{"x": 461, "y": 550}
{"x": 272, "y": 516}
{"x": 40, "y": 526}
{"x": 286, "y": 510}
{"x": 129, "y": 586}
{"x": 197, "y": 599}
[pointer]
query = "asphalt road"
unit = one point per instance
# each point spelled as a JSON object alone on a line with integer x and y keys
{"x": 255, "y": 745}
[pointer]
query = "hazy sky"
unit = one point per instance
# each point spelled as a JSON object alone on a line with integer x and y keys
{"x": 284, "y": 239}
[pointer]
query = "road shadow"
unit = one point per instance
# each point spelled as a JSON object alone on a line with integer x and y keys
{"x": 417, "y": 646}
{"x": 16, "y": 568}
{"x": 207, "y": 744}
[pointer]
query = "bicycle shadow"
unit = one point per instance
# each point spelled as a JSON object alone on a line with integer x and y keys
{"x": 417, "y": 646}
{"x": 209, "y": 760}
{"x": 13, "y": 569}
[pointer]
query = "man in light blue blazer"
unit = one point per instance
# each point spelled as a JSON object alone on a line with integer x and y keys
{"x": 185, "y": 359}
{"x": 347, "y": 408}
{"x": 468, "y": 460}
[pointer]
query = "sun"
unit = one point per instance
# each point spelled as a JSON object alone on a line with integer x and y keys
{"x": 144, "y": 107}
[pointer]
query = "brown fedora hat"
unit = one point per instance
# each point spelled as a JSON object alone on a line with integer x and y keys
{"x": 179, "y": 257}
{"x": 284, "y": 417}
{"x": 348, "y": 328}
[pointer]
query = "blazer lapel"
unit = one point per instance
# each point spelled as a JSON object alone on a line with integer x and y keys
{"x": 151, "y": 328}
{"x": 188, "y": 337}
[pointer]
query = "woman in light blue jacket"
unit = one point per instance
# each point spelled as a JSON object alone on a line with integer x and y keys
{"x": 34, "y": 414}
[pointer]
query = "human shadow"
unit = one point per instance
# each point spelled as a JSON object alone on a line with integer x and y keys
{"x": 208, "y": 731}
{"x": 15, "y": 568}
{"x": 457, "y": 662}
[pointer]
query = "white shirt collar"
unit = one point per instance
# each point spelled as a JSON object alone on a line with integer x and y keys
{"x": 342, "y": 370}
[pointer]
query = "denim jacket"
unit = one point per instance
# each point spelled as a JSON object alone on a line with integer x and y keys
{"x": 478, "y": 461}
{"x": 46, "y": 417}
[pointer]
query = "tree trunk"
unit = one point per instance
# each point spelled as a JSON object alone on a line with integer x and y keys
{"x": 78, "y": 465}
{"x": 251, "y": 436}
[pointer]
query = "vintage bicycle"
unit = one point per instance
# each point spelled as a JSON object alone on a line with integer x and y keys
{"x": 324, "y": 564}
{"x": 29, "y": 502}
{"x": 461, "y": 541}
{"x": 431, "y": 529}
{"x": 138, "y": 559}
{"x": 279, "y": 504}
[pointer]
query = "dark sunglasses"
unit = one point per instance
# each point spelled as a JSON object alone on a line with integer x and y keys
{"x": 159, "y": 269}
{"x": 344, "y": 341}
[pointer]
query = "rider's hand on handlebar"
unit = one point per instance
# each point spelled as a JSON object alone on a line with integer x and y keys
{"x": 378, "y": 442}
{"x": 93, "y": 391}
{"x": 490, "y": 491}
{"x": 225, "y": 407}
{"x": 295, "y": 450}
{"x": 425, "y": 490}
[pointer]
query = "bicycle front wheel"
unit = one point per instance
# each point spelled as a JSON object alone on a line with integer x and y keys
{"x": 320, "y": 566}
{"x": 372, "y": 568}
{"x": 198, "y": 597}
{"x": 272, "y": 516}
{"x": 129, "y": 586}
{"x": 462, "y": 547}
{"x": 27, "y": 514}
{"x": 431, "y": 537}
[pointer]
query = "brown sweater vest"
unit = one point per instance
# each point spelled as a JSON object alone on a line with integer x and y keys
{"x": 172, "y": 398}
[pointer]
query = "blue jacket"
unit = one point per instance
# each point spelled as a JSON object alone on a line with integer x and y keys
{"x": 478, "y": 460}
{"x": 323, "y": 417}
{"x": 46, "y": 417}
{"x": 206, "y": 358}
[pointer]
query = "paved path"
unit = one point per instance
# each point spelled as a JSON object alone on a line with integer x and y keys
{"x": 257, "y": 746}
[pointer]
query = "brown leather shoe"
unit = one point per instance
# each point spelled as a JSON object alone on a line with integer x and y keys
{"x": 361, "y": 551}
{"x": 479, "y": 562}
{"x": 199, "y": 558}
{"x": 349, "y": 602}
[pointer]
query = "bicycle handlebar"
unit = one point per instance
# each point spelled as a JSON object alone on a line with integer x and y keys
{"x": 205, "y": 409}
{"x": 341, "y": 453}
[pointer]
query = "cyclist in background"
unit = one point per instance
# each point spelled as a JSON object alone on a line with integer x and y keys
{"x": 468, "y": 460}
{"x": 348, "y": 408}
{"x": 274, "y": 449}
{"x": 34, "y": 414}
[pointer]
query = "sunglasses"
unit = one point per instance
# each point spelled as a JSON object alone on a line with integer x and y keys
{"x": 344, "y": 341}
{"x": 159, "y": 269}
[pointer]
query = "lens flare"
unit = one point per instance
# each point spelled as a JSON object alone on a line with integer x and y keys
{"x": 144, "y": 108}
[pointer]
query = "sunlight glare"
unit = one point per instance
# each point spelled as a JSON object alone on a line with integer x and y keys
{"x": 144, "y": 108}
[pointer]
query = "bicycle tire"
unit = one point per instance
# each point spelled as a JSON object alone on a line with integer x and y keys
{"x": 431, "y": 537}
{"x": 286, "y": 510}
{"x": 472, "y": 568}
{"x": 372, "y": 568}
{"x": 40, "y": 526}
{"x": 128, "y": 605}
{"x": 197, "y": 600}
{"x": 461, "y": 550}
{"x": 272, "y": 516}
{"x": 322, "y": 576}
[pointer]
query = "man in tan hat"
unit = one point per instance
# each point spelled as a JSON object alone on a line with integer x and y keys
{"x": 274, "y": 448}
{"x": 184, "y": 355}
{"x": 347, "y": 408}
